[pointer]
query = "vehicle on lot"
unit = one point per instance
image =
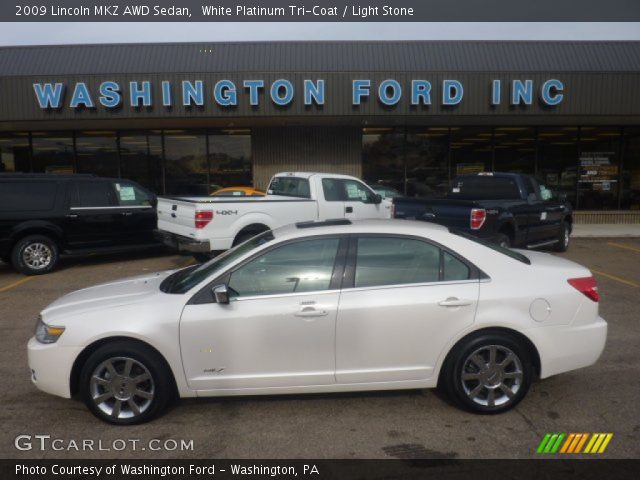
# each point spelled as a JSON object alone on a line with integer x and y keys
{"x": 205, "y": 226}
{"x": 385, "y": 191}
{"x": 511, "y": 209}
{"x": 328, "y": 306}
{"x": 238, "y": 192}
{"x": 45, "y": 216}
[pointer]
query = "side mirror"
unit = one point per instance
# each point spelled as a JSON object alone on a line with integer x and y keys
{"x": 153, "y": 201}
{"x": 531, "y": 198}
{"x": 221, "y": 294}
{"x": 377, "y": 199}
{"x": 562, "y": 197}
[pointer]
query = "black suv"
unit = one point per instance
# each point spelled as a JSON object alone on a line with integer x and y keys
{"x": 45, "y": 216}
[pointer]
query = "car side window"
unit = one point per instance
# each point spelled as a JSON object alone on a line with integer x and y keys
{"x": 304, "y": 266}
{"x": 332, "y": 189}
{"x": 356, "y": 191}
{"x": 91, "y": 194}
{"x": 128, "y": 195}
{"x": 395, "y": 261}
{"x": 399, "y": 261}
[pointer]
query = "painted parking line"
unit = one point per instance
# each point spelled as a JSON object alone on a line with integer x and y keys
{"x": 15, "y": 284}
{"x": 626, "y": 247}
{"x": 616, "y": 279}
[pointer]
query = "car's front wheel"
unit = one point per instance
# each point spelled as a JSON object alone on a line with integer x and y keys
{"x": 123, "y": 383}
{"x": 488, "y": 373}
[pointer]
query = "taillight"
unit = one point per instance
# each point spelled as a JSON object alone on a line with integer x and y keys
{"x": 203, "y": 217}
{"x": 478, "y": 216}
{"x": 586, "y": 286}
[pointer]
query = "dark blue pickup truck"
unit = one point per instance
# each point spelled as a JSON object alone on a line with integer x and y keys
{"x": 511, "y": 209}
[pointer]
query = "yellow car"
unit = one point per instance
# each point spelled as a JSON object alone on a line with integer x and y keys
{"x": 238, "y": 192}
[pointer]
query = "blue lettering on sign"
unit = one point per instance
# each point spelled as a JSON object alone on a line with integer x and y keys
{"x": 452, "y": 92}
{"x": 495, "y": 92}
{"x": 166, "y": 94}
{"x": 360, "y": 89}
{"x": 192, "y": 93}
{"x": 314, "y": 92}
{"x": 277, "y": 87}
{"x": 140, "y": 93}
{"x": 110, "y": 94}
{"x": 550, "y": 92}
{"x": 81, "y": 96}
{"x": 387, "y": 86}
{"x": 48, "y": 95}
{"x": 522, "y": 92}
{"x": 420, "y": 92}
{"x": 225, "y": 93}
{"x": 254, "y": 86}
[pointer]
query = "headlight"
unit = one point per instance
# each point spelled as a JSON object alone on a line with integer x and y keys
{"x": 46, "y": 333}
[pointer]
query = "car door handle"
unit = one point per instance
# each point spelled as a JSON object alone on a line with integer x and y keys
{"x": 71, "y": 215}
{"x": 455, "y": 302}
{"x": 127, "y": 214}
{"x": 310, "y": 312}
{"x": 348, "y": 209}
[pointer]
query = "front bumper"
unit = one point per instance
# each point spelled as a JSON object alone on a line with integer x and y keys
{"x": 182, "y": 243}
{"x": 51, "y": 366}
{"x": 564, "y": 348}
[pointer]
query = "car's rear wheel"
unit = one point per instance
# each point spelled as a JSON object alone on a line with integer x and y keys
{"x": 488, "y": 373}
{"x": 123, "y": 383}
{"x": 34, "y": 255}
{"x": 563, "y": 238}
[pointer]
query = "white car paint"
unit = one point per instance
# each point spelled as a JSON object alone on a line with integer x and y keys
{"x": 371, "y": 338}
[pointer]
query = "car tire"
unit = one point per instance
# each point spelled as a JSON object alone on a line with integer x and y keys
{"x": 503, "y": 240}
{"x": 125, "y": 383}
{"x": 563, "y": 238}
{"x": 488, "y": 373}
{"x": 35, "y": 255}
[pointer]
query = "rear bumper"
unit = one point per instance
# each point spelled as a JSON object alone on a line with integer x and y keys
{"x": 182, "y": 243}
{"x": 565, "y": 347}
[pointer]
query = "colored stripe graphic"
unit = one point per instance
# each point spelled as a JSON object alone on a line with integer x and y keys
{"x": 573, "y": 443}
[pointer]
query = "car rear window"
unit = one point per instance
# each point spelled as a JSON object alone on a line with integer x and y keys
{"x": 290, "y": 187}
{"x": 493, "y": 246}
{"x": 27, "y": 196}
{"x": 484, "y": 188}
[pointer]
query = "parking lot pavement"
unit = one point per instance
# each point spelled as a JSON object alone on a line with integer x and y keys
{"x": 405, "y": 424}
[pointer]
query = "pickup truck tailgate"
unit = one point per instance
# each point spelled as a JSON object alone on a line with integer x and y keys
{"x": 176, "y": 216}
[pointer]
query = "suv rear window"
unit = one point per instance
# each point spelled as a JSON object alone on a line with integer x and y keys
{"x": 484, "y": 188}
{"x": 290, "y": 187}
{"x": 91, "y": 195}
{"x": 27, "y": 196}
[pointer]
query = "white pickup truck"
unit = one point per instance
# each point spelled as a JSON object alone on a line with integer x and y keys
{"x": 202, "y": 225}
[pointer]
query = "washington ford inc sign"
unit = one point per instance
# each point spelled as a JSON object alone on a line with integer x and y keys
{"x": 225, "y": 93}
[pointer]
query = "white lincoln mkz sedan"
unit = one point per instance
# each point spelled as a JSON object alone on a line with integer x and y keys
{"x": 324, "y": 307}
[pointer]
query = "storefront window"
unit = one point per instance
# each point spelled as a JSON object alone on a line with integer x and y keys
{"x": 514, "y": 150}
{"x": 230, "y": 159}
{"x": 631, "y": 170}
{"x": 426, "y": 153}
{"x": 558, "y": 159}
{"x": 599, "y": 168}
{"x": 14, "y": 153}
{"x": 53, "y": 152}
{"x": 186, "y": 165}
{"x": 383, "y": 158}
{"x": 141, "y": 158}
{"x": 471, "y": 150}
{"x": 97, "y": 153}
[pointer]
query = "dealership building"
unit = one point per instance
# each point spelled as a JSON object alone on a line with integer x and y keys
{"x": 188, "y": 118}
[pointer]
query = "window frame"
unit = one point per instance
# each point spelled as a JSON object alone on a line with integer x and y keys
{"x": 349, "y": 277}
{"x": 204, "y": 295}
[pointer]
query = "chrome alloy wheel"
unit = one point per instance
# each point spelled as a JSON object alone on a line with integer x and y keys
{"x": 37, "y": 256}
{"x": 122, "y": 387}
{"x": 565, "y": 237}
{"x": 492, "y": 375}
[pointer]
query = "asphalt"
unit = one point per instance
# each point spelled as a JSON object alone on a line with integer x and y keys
{"x": 403, "y": 424}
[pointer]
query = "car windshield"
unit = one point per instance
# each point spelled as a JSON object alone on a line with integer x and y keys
{"x": 184, "y": 280}
{"x": 493, "y": 246}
